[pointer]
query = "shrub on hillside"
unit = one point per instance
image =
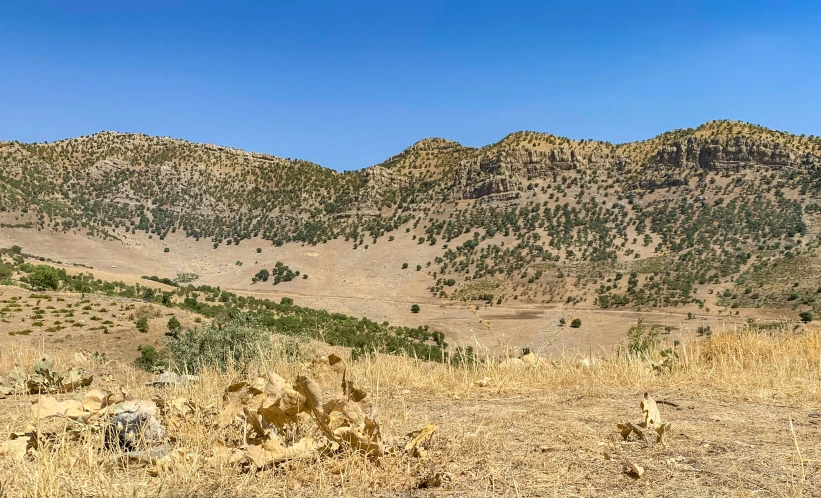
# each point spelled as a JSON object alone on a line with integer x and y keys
{"x": 6, "y": 271}
{"x": 236, "y": 342}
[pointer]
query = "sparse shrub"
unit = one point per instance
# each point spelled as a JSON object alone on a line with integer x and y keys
{"x": 142, "y": 325}
{"x": 6, "y": 271}
{"x": 174, "y": 324}
{"x": 642, "y": 340}
{"x": 292, "y": 348}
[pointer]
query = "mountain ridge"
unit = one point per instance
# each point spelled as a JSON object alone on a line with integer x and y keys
{"x": 430, "y": 143}
{"x": 706, "y": 202}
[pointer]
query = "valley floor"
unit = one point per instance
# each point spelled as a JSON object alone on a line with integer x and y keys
{"x": 370, "y": 283}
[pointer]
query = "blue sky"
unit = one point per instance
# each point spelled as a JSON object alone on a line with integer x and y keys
{"x": 348, "y": 84}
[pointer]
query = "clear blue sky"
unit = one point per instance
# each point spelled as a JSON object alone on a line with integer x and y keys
{"x": 347, "y": 84}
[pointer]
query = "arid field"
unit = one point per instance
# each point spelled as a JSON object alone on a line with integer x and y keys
{"x": 743, "y": 408}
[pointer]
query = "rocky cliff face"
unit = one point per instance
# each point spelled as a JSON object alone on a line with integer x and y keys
{"x": 502, "y": 173}
{"x": 484, "y": 176}
{"x": 379, "y": 182}
{"x": 734, "y": 154}
{"x": 379, "y": 179}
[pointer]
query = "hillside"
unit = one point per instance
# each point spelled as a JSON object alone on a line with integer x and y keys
{"x": 721, "y": 217}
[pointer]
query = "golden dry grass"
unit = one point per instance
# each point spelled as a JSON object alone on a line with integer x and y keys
{"x": 747, "y": 423}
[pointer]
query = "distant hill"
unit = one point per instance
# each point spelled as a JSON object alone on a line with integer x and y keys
{"x": 728, "y": 210}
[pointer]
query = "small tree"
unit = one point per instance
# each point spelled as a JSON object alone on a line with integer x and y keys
{"x": 576, "y": 323}
{"x": 44, "y": 277}
{"x": 415, "y": 308}
{"x": 806, "y": 316}
{"x": 404, "y": 266}
{"x": 150, "y": 359}
{"x": 174, "y": 324}
{"x": 142, "y": 325}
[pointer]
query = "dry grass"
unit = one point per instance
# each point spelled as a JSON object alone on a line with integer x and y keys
{"x": 743, "y": 427}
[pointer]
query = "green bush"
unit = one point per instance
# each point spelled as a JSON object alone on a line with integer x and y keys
{"x": 415, "y": 308}
{"x": 6, "y": 271}
{"x": 142, "y": 325}
{"x": 576, "y": 323}
{"x": 174, "y": 324}
{"x": 150, "y": 359}
{"x": 806, "y": 316}
{"x": 236, "y": 342}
